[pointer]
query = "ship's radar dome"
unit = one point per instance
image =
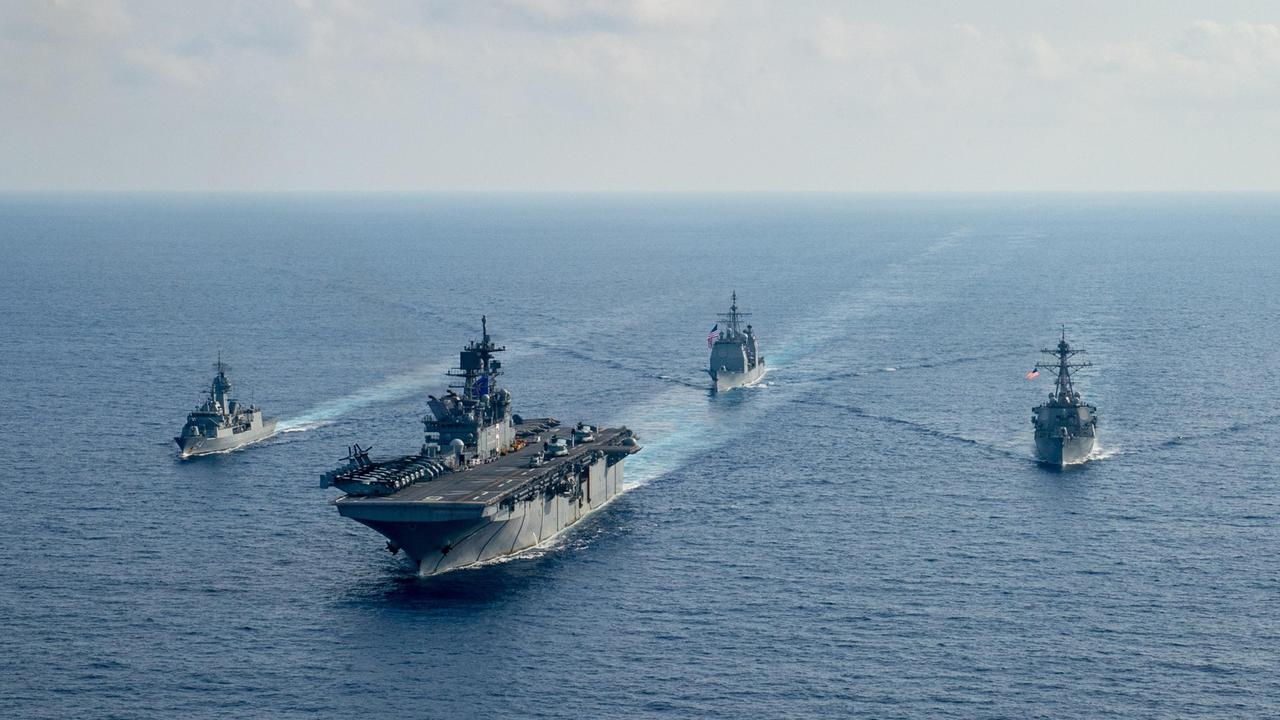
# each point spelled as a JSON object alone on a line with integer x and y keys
{"x": 457, "y": 445}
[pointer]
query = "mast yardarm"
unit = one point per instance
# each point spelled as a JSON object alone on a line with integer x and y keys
{"x": 1063, "y": 366}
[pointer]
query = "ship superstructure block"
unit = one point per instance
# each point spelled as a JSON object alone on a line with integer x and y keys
{"x": 1066, "y": 428}
{"x": 735, "y": 352}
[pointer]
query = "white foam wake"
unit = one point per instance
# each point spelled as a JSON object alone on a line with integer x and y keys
{"x": 683, "y": 422}
{"x": 1104, "y": 453}
{"x": 395, "y": 388}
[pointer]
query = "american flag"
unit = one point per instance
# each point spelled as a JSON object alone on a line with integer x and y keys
{"x": 713, "y": 335}
{"x": 1033, "y": 374}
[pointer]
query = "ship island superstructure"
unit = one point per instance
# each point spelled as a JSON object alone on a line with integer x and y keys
{"x": 735, "y": 353}
{"x": 1066, "y": 428}
{"x": 222, "y": 423}
{"x": 486, "y": 483}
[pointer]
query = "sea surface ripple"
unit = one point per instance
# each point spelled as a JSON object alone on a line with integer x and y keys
{"x": 864, "y": 534}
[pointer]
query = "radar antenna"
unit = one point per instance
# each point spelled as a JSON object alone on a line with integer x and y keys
{"x": 1065, "y": 369}
{"x": 221, "y": 385}
{"x": 220, "y": 367}
{"x": 477, "y": 366}
{"x": 733, "y": 315}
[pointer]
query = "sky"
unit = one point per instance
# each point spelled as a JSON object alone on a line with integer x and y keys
{"x": 639, "y": 95}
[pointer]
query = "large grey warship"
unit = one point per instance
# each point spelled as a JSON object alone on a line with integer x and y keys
{"x": 487, "y": 483}
{"x": 1066, "y": 427}
{"x": 221, "y": 423}
{"x": 735, "y": 354}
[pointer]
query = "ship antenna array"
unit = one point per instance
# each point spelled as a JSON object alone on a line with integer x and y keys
{"x": 733, "y": 314}
{"x": 483, "y": 362}
{"x": 1065, "y": 369}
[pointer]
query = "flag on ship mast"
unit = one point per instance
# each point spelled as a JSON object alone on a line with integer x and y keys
{"x": 713, "y": 335}
{"x": 1035, "y": 373}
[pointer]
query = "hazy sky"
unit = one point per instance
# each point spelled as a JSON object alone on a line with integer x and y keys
{"x": 639, "y": 95}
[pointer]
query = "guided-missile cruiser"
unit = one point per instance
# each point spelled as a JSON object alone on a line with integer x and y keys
{"x": 735, "y": 354}
{"x": 221, "y": 423}
{"x": 487, "y": 483}
{"x": 1066, "y": 427}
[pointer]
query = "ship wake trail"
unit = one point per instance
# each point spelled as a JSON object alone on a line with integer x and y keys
{"x": 613, "y": 363}
{"x": 922, "y": 429}
{"x": 392, "y": 389}
{"x": 897, "y": 286}
{"x": 1104, "y": 453}
{"x": 681, "y": 423}
{"x": 1234, "y": 428}
{"x": 917, "y": 365}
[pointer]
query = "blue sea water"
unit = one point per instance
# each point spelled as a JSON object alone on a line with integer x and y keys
{"x": 864, "y": 535}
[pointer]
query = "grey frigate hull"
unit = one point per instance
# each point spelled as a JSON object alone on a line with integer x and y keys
{"x": 221, "y": 423}
{"x": 726, "y": 380}
{"x": 441, "y": 536}
{"x": 193, "y": 446}
{"x": 1064, "y": 451}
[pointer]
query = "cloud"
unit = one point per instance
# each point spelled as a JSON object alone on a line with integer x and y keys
{"x": 601, "y": 15}
{"x": 516, "y": 93}
{"x": 63, "y": 20}
{"x": 167, "y": 67}
{"x": 838, "y": 40}
{"x": 1207, "y": 63}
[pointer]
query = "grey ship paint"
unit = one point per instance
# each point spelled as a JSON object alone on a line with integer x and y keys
{"x": 735, "y": 354}
{"x": 487, "y": 483}
{"x": 222, "y": 423}
{"x": 1065, "y": 427}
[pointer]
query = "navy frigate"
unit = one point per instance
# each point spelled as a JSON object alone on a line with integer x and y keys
{"x": 1066, "y": 427}
{"x": 221, "y": 423}
{"x": 486, "y": 483}
{"x": 735, "y": 355}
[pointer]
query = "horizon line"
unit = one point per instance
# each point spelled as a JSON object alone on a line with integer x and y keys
{"x": 296, "y": 192}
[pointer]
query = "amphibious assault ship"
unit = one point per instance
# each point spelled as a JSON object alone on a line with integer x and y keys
{"x": 735, "y": 354}
{"x": 487, "y": 483}
{"x": 221, "y": 423}
{"x": 1066, "y": 427}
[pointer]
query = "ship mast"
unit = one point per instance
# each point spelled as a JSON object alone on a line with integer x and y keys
{"x": 733, "y": 314}
{"x": 1064, "y": 368}
{"x": 477, "y": 367}
{"x": 221, "y": 387}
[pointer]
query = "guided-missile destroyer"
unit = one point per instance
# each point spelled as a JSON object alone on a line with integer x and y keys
{"x": 1066, "y": 427}
{"x": 221, "y": 423}
{"x": 735, "y": 355}
{"x": 487, "y": 483}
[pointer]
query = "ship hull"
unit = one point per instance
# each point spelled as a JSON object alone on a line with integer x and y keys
{"x": 724, "y": 380}
{"x": 1064, "y": 451}
{"x": 194, "y": 446}
{"x": 439, "y": 537}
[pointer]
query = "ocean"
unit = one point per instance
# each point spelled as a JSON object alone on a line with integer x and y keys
{"x": 865, "y": 534}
